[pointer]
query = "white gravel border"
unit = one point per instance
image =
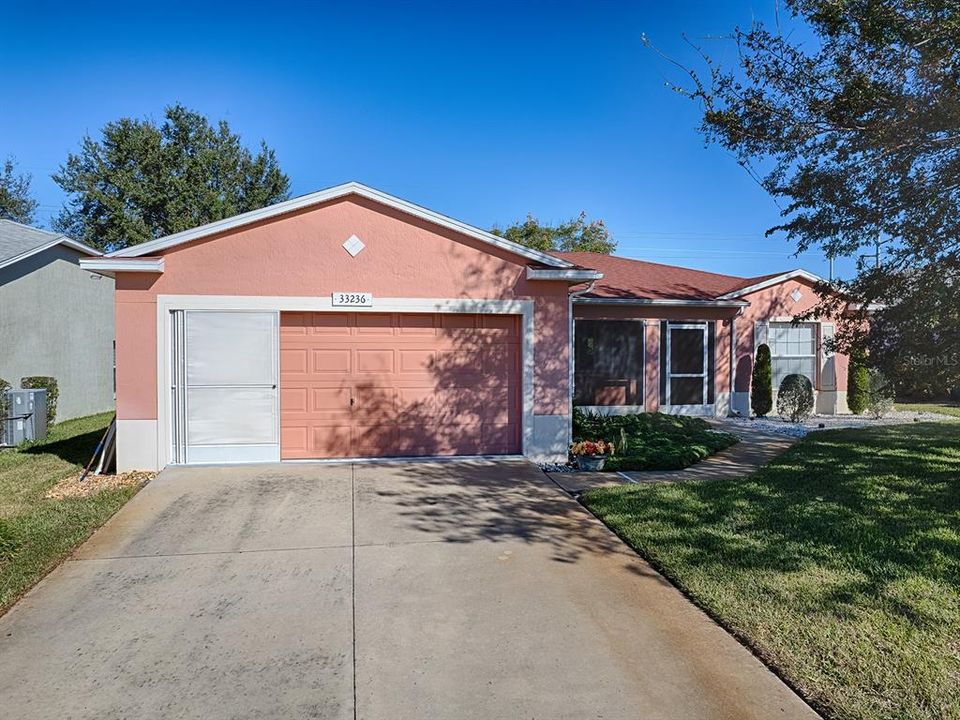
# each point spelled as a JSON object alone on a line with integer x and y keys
{"x": 774, "y": 424}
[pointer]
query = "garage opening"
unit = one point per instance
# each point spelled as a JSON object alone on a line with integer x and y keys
{"x": 224, "y": 397}
{"x": 399, "y": 384}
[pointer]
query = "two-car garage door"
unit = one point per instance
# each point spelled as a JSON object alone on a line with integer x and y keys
{"x": 398, "y": 384}
{"x": 350, "y": 385}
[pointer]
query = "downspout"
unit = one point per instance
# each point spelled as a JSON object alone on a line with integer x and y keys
{"x": 572, "y": 351}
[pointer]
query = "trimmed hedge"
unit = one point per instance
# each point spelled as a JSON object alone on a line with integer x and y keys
{"x": 858, "y": 385}
{"x": 761, "y": 385}
{"x": 44, "y": 382}
{"x": 795, "y": 398}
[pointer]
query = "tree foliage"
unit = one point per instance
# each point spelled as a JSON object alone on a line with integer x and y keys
{"x": 16, "y": 203}
{"x": 857, "y": 132}
{"x": 761, "y": 385}
{"x": 142, "y": 180}
{"x": 575, "y": 235}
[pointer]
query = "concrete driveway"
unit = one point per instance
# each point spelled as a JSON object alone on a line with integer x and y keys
{"x": 393, "y": 591}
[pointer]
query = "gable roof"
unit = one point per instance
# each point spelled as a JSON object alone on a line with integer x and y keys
{"x": 628, "y": 279}
{"x": 334, "y": 193}
{"x": 19, "y": 241}
{"x": 752, "y": 285}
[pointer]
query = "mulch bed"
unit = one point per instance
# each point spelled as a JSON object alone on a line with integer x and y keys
{"x": 92, "y": 484}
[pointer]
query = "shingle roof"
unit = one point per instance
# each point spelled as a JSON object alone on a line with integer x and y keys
{"x": 628, "y": 278}
{"x": 17, "y": 239}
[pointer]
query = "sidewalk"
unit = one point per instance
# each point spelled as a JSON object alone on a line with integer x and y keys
{"x": 756, "y": 448}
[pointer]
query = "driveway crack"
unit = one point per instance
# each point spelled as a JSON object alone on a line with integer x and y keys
{"x": 353, "y": 576}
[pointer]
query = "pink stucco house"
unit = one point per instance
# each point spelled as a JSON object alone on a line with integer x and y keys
{"x": 351, "y": 323}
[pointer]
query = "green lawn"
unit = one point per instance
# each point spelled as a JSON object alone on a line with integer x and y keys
{"x": 839, "y": 563}
{"x": 941, "y": 408}
{"x": 652, "y": 441}
{"x": 35, "y": 532}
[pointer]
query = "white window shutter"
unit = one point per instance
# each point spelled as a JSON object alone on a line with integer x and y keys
{"x": 760, "y": 332}
{"x": 828, "y": 368}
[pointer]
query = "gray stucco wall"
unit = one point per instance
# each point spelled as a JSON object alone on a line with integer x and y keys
{"x": 56, "y": 319}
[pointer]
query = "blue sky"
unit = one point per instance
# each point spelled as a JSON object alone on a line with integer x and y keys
{"x": 483, "y": 112}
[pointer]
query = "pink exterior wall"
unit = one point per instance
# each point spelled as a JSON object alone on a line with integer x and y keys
{"x": 767, "y": 305}
{"x": 301, "y": 255}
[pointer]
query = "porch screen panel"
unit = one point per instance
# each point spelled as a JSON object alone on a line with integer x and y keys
{"x": 608, "y": 362}
{"x": 711, "y": 363}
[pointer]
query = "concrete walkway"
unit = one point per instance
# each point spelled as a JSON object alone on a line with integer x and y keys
{"x": 433, "y": 590}
{"x": 755, "y": 449}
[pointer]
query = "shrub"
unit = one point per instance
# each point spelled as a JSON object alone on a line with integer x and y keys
{"x": 44, "y": 382}
{"x": 4, "y": 408}
{"x": 652, "y": 441}
{"x": 858, "y": 385}
{"x": 761, "y": 386}
{"x": 879, "y": 394}
{"x": 795, "y": 398}
{"x": 955, "y": 394}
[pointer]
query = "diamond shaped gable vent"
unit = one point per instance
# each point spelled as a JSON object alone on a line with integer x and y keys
{"x": 796, "y": 295}
{"x": 353, "y": 245}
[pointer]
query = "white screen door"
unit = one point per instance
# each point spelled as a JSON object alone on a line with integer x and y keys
{"x": 688, "y": 366}
{"x": 225, "y": 377}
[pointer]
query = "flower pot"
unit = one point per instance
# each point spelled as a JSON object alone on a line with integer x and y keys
{"x": 591, "y": 462}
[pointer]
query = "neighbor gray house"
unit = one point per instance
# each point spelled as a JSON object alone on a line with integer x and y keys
{"x": 55, "y": 318}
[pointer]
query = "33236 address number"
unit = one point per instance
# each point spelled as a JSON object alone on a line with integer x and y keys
{"x": 352, "y": 299}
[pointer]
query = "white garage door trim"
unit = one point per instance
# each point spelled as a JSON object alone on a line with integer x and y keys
{"x": 168, "y": 303}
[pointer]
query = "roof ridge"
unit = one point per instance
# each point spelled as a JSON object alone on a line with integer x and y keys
{"x": 666, "y": 265}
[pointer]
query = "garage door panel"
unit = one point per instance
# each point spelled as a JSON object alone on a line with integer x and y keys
{"x": 421, "y": 384}
{"x": 295, "y": 360}
{"x": 327, "y": 324}
{"x": 374, "y": 401}
{"x": 330, "y": 442}
{"x": 295, "y": 400}
{"x": 417, "y": 324}
{"x": 416, "y": 361}
{"x": 375, "y": 360}
{"x": 294, "y": 439}
{"x": 330, "y": 361}
{"x": 374, "y": 323}
{"x": 329, "y": 400}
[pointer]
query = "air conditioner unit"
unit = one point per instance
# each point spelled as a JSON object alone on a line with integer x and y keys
{"x": 26, "y": 417}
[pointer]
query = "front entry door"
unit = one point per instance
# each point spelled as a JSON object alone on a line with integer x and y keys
{"x": 688, "y": 368}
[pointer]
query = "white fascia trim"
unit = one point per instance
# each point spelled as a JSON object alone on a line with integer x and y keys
{"x": 667, "y": 301}
{"x": 791, "y": 275}
{"x": 350, "y": 188}
{"x": 109, "y": 266}
{"x": 569, "y": 274}
{"x": 166, "y": 303}
{"x": 62, "y": 240}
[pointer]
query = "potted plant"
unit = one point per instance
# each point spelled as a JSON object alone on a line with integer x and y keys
{"x": 591, "y": 454}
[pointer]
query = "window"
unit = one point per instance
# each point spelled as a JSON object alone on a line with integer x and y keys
{"x": 794, "y": 350}
{"x": 608, "y": 362}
